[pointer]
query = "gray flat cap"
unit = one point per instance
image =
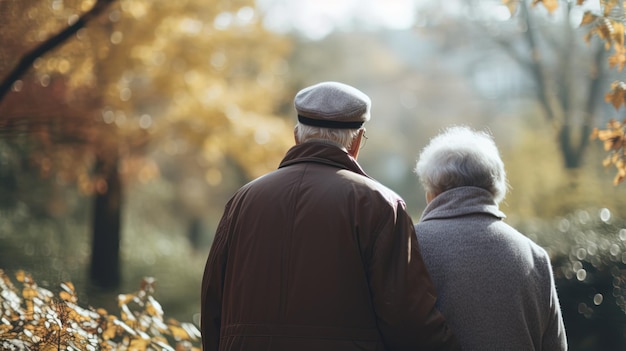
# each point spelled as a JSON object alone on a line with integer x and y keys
{"x": 332, "y": 105}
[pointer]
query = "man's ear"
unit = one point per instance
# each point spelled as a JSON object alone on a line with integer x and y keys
{"x": 356, "y": 144}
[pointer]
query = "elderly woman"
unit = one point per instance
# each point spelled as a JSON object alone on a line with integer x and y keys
{"x": 494, "y": 285}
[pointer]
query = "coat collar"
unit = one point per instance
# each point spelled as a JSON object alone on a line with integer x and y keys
{"x": 323, "y": 153}
{"x": 462, "y": 201}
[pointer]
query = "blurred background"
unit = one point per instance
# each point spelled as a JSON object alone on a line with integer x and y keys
{"x": 126, "y": 125}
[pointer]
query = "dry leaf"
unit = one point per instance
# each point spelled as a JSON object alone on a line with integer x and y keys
{"x": 511, "y": 5}
{"x": 614, "y": 139}
{"x": 551, "y": 5}
{"x": 33, "y": 318}
{"x": 618, "y": 34}
{"x": 617, "y": 94}
{"x": 618, "y": 59}
{"x": 588, "y": 18}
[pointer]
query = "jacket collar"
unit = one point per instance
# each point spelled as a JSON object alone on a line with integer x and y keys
{"x": 462, "y": 201}
{"x": 324, "y": 153}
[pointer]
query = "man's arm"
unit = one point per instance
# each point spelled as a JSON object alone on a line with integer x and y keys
{"x": 213, "y": 285}
{"x": 402, "y": 291}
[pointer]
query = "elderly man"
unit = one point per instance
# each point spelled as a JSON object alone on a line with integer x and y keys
{"x": 316, "y": 255}
{"x": 495, "y": 286}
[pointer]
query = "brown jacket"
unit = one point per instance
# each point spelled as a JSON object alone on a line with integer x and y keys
{"x": 318, "y": 256}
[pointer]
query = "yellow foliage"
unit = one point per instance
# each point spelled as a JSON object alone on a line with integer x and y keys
{"x": 59, "y": 324}
{"x": 153, "y": 71}
{"x": 611, "y": 31}
{"x": 608, "y": 29}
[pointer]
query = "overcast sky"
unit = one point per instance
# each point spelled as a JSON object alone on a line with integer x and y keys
{"x": 317, "y": 18}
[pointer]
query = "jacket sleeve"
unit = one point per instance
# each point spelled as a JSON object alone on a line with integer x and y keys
{"x": 213, "y": 285}
{"x": 403, "y": 294}
{"x": 554, "y": 337}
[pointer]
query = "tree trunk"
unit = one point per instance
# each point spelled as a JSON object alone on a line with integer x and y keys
{"x": 574, "y": 141}
{"x": 105, "y": 249}
{"x": 572, "y": 156}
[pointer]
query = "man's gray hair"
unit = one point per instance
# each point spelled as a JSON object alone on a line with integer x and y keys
{"x": 459, "y": 157}
{"x": 344, "y": 137}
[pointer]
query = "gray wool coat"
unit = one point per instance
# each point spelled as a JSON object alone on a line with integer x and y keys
{"x": 494, "y": 285}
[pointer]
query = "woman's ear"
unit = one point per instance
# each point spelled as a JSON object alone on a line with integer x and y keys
{"x": 429, "y": 197}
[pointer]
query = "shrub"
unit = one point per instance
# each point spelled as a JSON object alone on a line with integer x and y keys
{"x": 588, "y": 251}
{"x": 33, "y": 318}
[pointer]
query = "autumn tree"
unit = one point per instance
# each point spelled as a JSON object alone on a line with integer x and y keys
{"x": 565, "y": 67}
{"x": 136, "y": 79}
{"x": 607, "y": 24}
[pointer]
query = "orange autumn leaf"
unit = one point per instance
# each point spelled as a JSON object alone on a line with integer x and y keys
{"x": 153, "y": 307}
{"x": 616, "y": 96}
{"x": 614, "y": 140}
{"x": 617, "y": 35}
{"x": 550, "y": 5}
{"x": 178, "y": 333}
{"x": 511, "y": 5}
{"x": 588, "y": 18}
{"x": 605, "y": 29}
{"x": 618, "y": 59}
{"x": 124, "y": 299}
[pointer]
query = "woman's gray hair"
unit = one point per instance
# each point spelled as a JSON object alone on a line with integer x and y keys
{"x": 344, "y": 137}
{"x": 459, "y": 157}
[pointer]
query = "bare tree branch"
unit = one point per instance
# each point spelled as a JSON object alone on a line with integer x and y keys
{"x": 535, "y": 67}
{"x": 27, "y": 60}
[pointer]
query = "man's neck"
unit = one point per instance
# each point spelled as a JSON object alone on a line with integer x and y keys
{"x": 328, "y": 142}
